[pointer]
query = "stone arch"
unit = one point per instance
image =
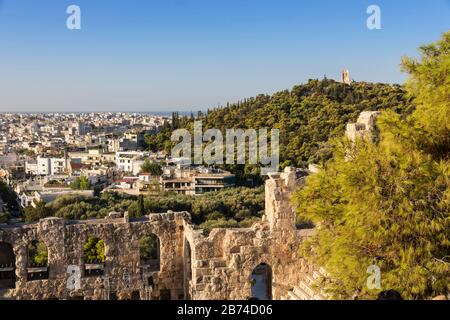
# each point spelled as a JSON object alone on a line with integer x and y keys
{"x": 94, "y": 256}
{"x": 136, "y": 295}
{"x": 150, "y": 252}
{"x": 37, "y": 260}
{"x": 7, "y": 266}
{"x": 261, "y": 280}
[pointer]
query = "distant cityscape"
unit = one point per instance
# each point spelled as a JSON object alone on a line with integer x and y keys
{"x": 43, "y": 156}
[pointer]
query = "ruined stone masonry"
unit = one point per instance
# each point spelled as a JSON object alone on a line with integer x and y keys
{"x": 365, "y": 126}
{"x": 122, "y": 273}
{"x": 263, "y": 261}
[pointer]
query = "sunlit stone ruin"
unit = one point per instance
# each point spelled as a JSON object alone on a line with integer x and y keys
{"x": 261, "y": 262}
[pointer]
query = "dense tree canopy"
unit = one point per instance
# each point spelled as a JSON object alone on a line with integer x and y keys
{"x": 308, "y": 117}
{"x": 94, "y": 250}
{"x": 154, "y": 168}
{"x": 81, "y": 183}
{"x": 7, "y": 197}
{"x": 237, "y": 207}
{"x": 387, "y": 203}
{"x": 149, "y": 248}
{"x": 40, "y": 211}
{"x": 37, "y": 254}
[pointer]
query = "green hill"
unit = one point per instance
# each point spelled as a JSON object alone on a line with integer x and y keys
{"x": 308, "y": 116}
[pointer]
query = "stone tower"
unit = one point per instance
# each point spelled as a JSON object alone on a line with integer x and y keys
{"x": 279, "y": 213}
{"x": 346, "y": 76}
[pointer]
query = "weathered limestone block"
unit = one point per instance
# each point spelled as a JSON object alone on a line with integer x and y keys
{"x": 64, "y": 241}
{"x": 365, "y": 126}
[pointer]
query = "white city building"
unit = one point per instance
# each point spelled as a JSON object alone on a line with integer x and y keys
{"x": 50, "y": 166}
{"x": 130, "y": 161}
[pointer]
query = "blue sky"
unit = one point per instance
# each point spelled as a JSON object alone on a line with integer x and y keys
{"x": 163, "y": 55}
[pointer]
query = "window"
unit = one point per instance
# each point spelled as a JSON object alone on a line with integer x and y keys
{"x": 37, "y": 261}
{"x": 94, "y": 257}
{"x": 149, "y": 249}
{"x": 7, "y": 266}
{"x": 262, "y": 282}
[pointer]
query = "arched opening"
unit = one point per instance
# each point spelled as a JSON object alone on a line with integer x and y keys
{"x": 165, "y": 294}
{"x": 113, "y": 295}
{"x": 135, "y": 295}
{"x": 187, "y": 270}
{"x": 94, "y": 257}
{"x": 149, "y": 250}
{"x": 7, "y": 266}
{"x": 37, "y": 263}
{"x": 262, "y": 282}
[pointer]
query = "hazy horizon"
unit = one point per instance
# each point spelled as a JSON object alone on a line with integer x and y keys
{"x": 157, "y": 113}
{"x": 156, "y": 110}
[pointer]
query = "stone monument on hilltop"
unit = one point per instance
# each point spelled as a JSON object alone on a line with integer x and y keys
{"x": 346, "y": 77}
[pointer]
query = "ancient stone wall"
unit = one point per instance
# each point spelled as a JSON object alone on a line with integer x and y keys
{"x": 263, "y": 261}
{"x": 224, "y": 262}
{"x": 123, "y": 274}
